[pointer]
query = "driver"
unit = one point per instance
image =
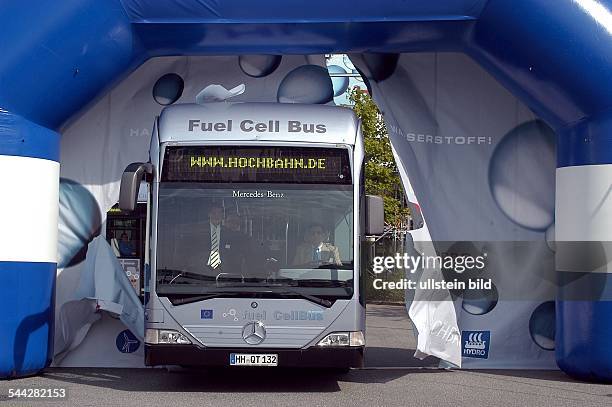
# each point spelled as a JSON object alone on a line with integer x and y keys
{"x": 225, "y": 246}
{"x": 315, "y": 248}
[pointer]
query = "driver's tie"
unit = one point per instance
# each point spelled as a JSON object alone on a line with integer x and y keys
{"x": 214, "y": 260}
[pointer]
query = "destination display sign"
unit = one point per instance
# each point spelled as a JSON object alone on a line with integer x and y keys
{"x": 269, "y": 164}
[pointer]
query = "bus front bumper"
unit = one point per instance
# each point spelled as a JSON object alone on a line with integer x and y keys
{"x": 191, "y": 355}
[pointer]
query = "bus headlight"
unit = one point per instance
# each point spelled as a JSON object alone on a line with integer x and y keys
{"x": 343, "y": 339}
{"x": 165, "y": 336}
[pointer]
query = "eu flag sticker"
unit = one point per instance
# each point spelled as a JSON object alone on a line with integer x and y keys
{"x": 206, "y": 314}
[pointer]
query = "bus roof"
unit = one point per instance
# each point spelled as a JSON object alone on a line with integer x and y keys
{"x": 277, "y": 122}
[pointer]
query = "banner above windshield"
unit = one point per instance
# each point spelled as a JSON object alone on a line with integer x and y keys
{"x": 301, "y": 165}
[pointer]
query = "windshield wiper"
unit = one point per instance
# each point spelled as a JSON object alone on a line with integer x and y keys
{"x": 280, "y": 290}
{"x": 169, "y": 276}
{"x": 317, "y": 282}
{"x": 312, "y": 298}
{"x": 248, "y": 289}
{"x": 332, "y": 266}
{"x": 187, "y": 300}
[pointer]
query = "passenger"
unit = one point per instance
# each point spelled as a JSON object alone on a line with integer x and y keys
{"x": 315, "y": 249}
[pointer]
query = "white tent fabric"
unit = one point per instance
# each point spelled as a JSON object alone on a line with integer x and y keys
{"x": 431, "y": 312}
{"x": 482, "y": 168}
{"x": 103, "y": 287}
{"x": 103, "y": 279}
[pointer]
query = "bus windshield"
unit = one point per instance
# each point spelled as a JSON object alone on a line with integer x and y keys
{"x": 282, "y": 219}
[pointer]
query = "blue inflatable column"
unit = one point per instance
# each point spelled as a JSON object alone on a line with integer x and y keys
{"x": 556, "y": 57}
{"x": 29, "y": 187}
{"x": 584, "y": 249}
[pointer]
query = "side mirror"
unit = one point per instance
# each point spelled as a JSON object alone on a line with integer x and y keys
{"x": 375, "y": 215}
{"x": 416, "y": 215}
{"x": 130, "y": 182}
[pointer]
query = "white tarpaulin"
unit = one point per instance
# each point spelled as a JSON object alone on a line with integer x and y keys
{"x": 482, "y": 169}
{"x": 103, "y": 287}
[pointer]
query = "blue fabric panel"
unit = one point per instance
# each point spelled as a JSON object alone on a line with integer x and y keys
{"x": 587, "y": 142}
{"x": 57, "y": 56}
{"x": 313, "y": 11}
{"x": 21, "y": 137}
{"x": 583, "y": 333}
{"x": 27, "y": 300}
{"x": 553, "y": 55}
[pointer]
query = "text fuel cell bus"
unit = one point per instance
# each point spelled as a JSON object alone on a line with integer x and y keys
{"x": 254, "y": 236}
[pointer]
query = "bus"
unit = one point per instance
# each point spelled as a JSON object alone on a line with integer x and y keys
{"x": 257, "y": 215}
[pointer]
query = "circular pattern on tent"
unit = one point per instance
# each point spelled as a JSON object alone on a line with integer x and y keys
{"x": 306, "y": 84}
{"x": 542, "y": 325}
{"x": 480, "y": 301}
{"x": 522, "y": 175}
{"x": 79, "y": 222}
{"x": 258, "y": 66}
{"x": 339, "y": 83}
{"x": 168, "y": 89}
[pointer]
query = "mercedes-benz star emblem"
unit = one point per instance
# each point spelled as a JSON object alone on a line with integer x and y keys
{"x": 254, "y": 333}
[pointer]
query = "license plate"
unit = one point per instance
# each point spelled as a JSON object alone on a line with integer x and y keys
{"x": 253, "y": 359}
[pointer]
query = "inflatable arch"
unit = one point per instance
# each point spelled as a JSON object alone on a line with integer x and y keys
{"x": 57, "y": 57}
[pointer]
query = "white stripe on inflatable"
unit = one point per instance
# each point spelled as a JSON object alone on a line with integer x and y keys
{"x": 583, "y": 207}
{"x": 29, "y": 191}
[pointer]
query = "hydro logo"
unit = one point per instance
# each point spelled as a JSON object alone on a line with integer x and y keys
{"x": 475, "y": 344}
{"x": 126, "y": 342}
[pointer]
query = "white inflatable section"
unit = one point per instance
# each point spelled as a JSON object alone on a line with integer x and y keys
{"x": 587, "y": 218}
{"x": 32, "y": 218}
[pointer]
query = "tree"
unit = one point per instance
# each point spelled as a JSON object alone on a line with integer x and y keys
{"x": 381, "y": 174}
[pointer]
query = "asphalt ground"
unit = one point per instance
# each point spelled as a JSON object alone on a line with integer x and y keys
{"x": 392, "y": 377}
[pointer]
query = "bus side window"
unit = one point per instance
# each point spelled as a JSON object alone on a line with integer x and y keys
{"x": 125, "y": 232}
